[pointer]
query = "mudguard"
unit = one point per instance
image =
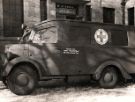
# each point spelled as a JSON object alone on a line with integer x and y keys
{"x": 99, "y": 70}
{"x": 11, "y": 64}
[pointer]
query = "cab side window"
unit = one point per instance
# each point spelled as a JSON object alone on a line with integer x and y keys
{"x": 49, "y": 35}
{"x": 46, "y": 36}
{"x": 119, "y": 37}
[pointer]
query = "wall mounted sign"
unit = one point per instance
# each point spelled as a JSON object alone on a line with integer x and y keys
{"x": 101, "y": 36}
{"x": 66, "y": 9}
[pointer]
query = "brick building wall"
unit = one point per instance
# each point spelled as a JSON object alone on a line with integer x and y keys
{"x": 97, "y": 10}
{"x": 1, "y": 18}
{"x": 32, "y": 10}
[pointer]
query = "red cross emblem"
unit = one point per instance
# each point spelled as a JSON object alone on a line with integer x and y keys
{"x": 101, "y": 36}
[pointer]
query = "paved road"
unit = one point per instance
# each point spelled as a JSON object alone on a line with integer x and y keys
{"x": 53, "y": 92}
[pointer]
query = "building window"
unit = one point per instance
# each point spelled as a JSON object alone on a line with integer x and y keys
{"x": 88, "y": 12}
{"x": 131, "y": 16}
{"x": 43, "y": 9}
{"x": 108, "y": 15}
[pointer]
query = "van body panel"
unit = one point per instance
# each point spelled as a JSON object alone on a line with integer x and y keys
{"x": 69, "y": 47}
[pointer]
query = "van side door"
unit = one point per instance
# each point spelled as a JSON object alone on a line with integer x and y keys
{"x": 75, "y": 40}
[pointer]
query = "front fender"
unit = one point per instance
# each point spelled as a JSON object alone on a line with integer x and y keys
{"x": 11, "y": 64}
{"x": 99, "y": 70}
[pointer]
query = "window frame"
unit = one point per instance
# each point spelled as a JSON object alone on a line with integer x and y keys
{"x": 108, "y": 19}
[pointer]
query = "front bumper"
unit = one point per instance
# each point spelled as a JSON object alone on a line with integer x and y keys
{"x": 3, "y": 61}
{"x": 0, "y": 74}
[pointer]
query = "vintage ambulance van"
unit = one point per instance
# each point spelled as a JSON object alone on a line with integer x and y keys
{"x": 62, "y": 48}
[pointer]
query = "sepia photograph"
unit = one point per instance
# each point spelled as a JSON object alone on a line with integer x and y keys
{"x": 67, "y": 50}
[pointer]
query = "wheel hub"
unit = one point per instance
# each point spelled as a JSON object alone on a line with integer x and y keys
{"x": 108, "y": 77}
{"x": 22, "y": 79}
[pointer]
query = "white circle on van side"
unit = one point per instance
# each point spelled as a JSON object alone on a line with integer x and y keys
{"x": 101, "y": 36}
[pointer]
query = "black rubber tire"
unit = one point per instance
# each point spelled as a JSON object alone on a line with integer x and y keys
{"x": 109, "y": 81}
{"x": 22, "y": 80}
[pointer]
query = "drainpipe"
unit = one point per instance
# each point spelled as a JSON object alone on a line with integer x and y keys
{"x": 123, "y": 6}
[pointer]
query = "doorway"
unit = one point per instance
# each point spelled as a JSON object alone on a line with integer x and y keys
{"x": 12, "y": 17}
{"x": 131, "y": 16}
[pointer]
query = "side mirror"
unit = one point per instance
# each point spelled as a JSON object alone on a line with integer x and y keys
{"x": 23, "y": 26}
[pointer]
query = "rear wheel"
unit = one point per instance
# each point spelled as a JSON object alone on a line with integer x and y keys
{"x": 22, "y": 80}
{"x": 109, "y": 78}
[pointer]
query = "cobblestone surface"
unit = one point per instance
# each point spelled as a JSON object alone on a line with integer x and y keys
{"x": 72, "y": 93}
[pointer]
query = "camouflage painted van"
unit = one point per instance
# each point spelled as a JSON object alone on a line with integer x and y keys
{"x": 62, "y": 48}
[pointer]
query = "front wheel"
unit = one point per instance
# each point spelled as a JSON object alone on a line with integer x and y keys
{"x": 109, "y": 78}
{"x": 22, "y": 80}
